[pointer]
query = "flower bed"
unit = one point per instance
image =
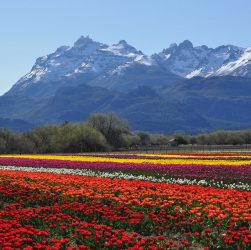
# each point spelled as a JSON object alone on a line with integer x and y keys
{"x": 71, "y": 202}
{"x": 235, "y": 175}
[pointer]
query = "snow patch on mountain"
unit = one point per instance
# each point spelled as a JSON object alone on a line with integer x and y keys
{"x": 238, "y": 67}
{"x": 142, "y": 59}
{"x": 121, "y": 49}
{"x": 120, "y": 70}
{"x": 194, "y": 73}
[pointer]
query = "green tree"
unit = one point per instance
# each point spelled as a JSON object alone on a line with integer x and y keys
{"x": 112, "y": 127}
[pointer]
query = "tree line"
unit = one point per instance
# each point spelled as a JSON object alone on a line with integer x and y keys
{"x": 104, "y": 132}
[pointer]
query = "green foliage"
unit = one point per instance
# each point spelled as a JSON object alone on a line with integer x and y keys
{"x": 114, "y": 128}
{"x": 104, "y": 132}
{"x": 79, "y": 137}
{"x": 221, "y": 137}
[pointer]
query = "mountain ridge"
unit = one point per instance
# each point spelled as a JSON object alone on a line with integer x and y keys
{"x": 183, "y": 88}
{"x": 92, "y": 59}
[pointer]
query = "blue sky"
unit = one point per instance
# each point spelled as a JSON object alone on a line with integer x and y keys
{"x": 32, "y": 28}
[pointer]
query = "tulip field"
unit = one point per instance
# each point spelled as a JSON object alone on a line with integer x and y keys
{"x": 126, "y": 201}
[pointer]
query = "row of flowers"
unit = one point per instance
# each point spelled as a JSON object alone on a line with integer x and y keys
{"x": 178, "y": 160}
{"x": 229, "y": 174}
{"x": 235, "y": 157}
{"x": 132, "y": 176}
{"x": 205, "y": 156}
{"x": 63, "y": 211}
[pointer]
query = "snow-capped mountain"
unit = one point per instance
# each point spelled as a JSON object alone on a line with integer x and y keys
{"x": 85, "y": 58}
{"x": 155, "y": 93}
{"x": 108, "y": 58}
{"x": 99, "y": 64}
{"x": 188, "y": 61}
{"x": 58, "y": 64}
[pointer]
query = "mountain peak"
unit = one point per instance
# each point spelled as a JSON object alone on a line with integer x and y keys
{"x": 82, "y": 41}
{"x": 186, "y": 44}
{"x": 123, "y": 42}
{"x": 173, "y": 45}
{"x": 122, "y": 47}
{"x": 188, "y": 61}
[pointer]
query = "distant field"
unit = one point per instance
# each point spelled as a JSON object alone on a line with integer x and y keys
{"x": 199, "y": 200}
